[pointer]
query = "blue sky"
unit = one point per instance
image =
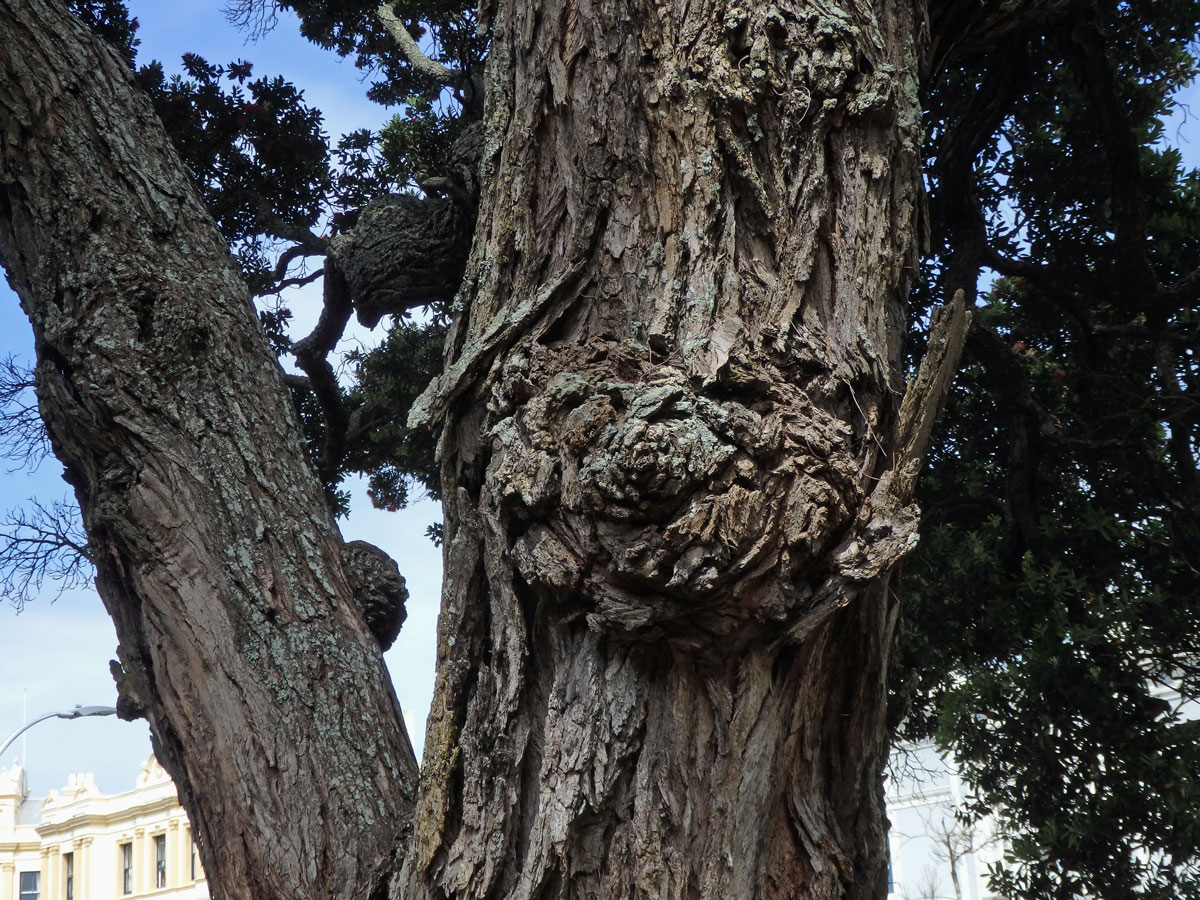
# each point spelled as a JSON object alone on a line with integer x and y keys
{"x": 55, "y": 655}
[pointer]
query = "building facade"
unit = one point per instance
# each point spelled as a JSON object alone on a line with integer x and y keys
{"x": 79, "y": 844}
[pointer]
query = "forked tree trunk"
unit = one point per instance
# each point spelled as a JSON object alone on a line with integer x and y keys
{"x": 671, "y": 424}
{"x": 676, "y": 466}
{"x": 216, "y": 555}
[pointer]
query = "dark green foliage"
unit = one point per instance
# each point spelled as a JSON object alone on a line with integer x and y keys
{"x": 360, "y": 177}
{"x": 415, "y": 144}
{"x": 349, "y": 28}
{"x": 1056, "y": 586}
{"x": 410, "y": 148}
{"x": 388, "y": 379}
{"x": 254, "y": 148}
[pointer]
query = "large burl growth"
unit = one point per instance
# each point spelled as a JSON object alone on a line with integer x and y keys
{"x": 663, "y": 513}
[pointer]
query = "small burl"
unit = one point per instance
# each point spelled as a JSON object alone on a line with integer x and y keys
{"x": 379, "y": 589}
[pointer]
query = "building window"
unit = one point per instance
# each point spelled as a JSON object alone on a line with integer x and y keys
{"x": 127, "y": 868}
{"x": 31, "y": 885}
{"x": 69, "y": 875}
{"x": 193, "y": 859}
{"x": 160, "y": 861}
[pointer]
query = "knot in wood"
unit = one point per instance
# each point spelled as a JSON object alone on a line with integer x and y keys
{"x": 661, "y": 452}
{"x": 379, "y": 589}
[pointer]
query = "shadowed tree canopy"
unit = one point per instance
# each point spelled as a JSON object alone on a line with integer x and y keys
{"x": 663, "y": 295}
{"x": 1055, "y": 593}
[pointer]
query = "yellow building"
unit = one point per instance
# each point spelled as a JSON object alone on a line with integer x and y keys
{"x": 80, "y": 844}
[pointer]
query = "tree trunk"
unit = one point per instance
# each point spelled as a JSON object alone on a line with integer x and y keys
{"x": 216, "y": 555}
{"x": 675, "y": 467}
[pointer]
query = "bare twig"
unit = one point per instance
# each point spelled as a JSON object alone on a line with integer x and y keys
{"x": 1015, "y": 268}
{"x": 253, "y": 16}
{"x": 311, "y": 243}
{"x": 22, "y": 435}
{"x": 41, "y": 544}
{"x": 299, "y": 281}
{"x": 289, "y": 256}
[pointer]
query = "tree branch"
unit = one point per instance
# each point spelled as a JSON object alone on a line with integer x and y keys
{"x": 312, "y": 244}
{"x": 312, "y": 354}
{"x": 1027, "y": 421}
{"x": 958, "y": 29}
{"x": 421, "y": 63}
{"x": 1179, "y": 430}
{"x": 1093, "y": 69}
{"x": 252, "y": 16}
{"x": 1185, "y": 289}
{"x": 299, "y": 281}
{"x": 1014, "y": 268}
{"x": 289, "y": 256}
{"x": 1044, "y": 279}
{"x": 297, "y": 382}
{"x": 927, "y": 392}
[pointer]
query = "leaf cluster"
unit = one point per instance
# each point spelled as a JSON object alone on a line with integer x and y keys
{"x": 388, "y": 379}
{"x": 254, "y": 148}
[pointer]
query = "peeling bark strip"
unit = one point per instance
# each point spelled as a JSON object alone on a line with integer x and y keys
{"x": 671, "y": 395}
{"x": 216, "y": 555}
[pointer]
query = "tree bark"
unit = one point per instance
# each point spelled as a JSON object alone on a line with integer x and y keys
{"x": 675, "y": 467}
{"x": 216, "y": 555}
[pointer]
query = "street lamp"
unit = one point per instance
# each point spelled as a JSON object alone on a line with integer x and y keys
{"x": 76, "y": 712}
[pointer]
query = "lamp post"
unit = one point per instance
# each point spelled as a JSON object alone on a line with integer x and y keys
{"x": 76, "y": 712}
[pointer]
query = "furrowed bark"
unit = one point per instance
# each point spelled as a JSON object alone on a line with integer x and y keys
{"x": 670, "y": 402}
{"x": 216, "y": 555}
